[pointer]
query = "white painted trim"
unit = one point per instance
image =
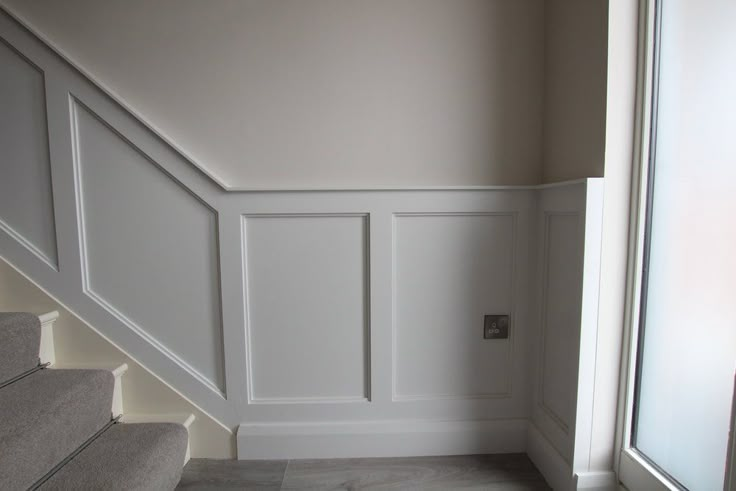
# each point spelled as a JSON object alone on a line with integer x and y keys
{"x": 117, "y": 394}
{"x": 75, "y": 104}
{"x": 46, "y": 352}
{"x": 305, "y": 427}
{"x": 587, "y": 351}
{"x": 596, "y": 481}
{"x": 49, "y": 317}
{"x": 637, "y": 198}
{"x": 379, "y": 439}
{"x": 251, "y": 396}
{"x": 548, "y": 460}
{"x": 312, "y": 189}
{"x": 635, "y": 473}
{"x": 307, "y": 400}
{"x": 508, "y": 392}
{"x": 118, "y": 370}
{"x": 28, "y": 245}
{"x": 553, "y": 416}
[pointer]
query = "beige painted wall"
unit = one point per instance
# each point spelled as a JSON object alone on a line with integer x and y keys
{"x": 323, "y": 93}
{"x": 575, "y": 88}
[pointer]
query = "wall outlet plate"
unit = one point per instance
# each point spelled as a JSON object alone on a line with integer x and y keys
{"x": 496, "y": 327}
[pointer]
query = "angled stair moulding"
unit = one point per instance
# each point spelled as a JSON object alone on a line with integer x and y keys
{"x": 26, "y": 199}
{"x": 183, "y": 289}
{"x": 176, "y": 271}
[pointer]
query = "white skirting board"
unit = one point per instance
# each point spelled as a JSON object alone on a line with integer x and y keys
{"x": 548, "y": 460}
{"x": 380, "y": 439}
{"x": 249, "y": 300}
{"x": 596, "y": 481}
{"x": 558, "y": 472}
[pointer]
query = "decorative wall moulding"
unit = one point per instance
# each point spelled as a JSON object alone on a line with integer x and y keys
{"x": 321, "y": 323}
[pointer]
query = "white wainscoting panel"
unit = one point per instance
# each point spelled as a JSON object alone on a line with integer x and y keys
{"x": 149, "y": 246}
{"x": 320, "y": 323}
{"x": 569, "y": 221}
{"x": 307, "y": 309}
{"x": 26, "y": 200}
{"x": 560, "y": 315}
{"x": 450, "y": 270}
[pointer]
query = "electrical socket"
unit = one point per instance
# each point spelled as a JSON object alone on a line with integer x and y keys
{"x": 496, "y": 327}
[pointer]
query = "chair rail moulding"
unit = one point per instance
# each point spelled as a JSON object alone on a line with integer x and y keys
{"x": 346, "y": 321}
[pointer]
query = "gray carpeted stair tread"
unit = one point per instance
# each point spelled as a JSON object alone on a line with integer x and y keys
{"x": 20, "y": 339}
{"x": 46, "y": 416}
{"x": 142, "y": 456}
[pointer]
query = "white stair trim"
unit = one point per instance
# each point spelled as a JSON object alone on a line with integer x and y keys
{"x": 553, "y": 466}
{"x": 46, "y": 352}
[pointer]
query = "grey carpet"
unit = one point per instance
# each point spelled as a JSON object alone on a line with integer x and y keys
{"x": 46, "y": 416}
{"x": 20, "y": 339}
{"x": 135, "y": 457}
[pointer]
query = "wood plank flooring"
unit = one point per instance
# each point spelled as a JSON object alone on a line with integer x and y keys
{"x": 512, "y": 472}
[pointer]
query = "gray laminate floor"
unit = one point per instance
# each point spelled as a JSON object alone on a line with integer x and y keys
{"x": 512, "y": 472}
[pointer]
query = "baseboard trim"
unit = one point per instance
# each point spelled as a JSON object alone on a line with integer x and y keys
{"x": 380, "y": 439}
{"x": 555, "y": 469}
{"x": 596, "y": 481}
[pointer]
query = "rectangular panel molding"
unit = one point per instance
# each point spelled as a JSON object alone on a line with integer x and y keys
{"x": 26, "y": 199}
{"x": 450, "y": 270}
{"x": 568, "y": 272}
{"x": 307, "y": 288}
{"x": 318, "y": 323}
{"x": 177, "y": 303}
{"x": 560, "y": 316}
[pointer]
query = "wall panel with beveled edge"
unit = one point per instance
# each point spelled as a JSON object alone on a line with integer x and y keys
{"x": 560, "y": 316}
{"x": 26, "y": 197}
{"x": 451, "y": 270}
{"x": 307, "y": 302}
{"x": 150, "y": 248}
{"x": 349, "y": 321}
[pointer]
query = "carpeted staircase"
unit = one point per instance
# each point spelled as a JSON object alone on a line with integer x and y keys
{"x": 56, "y": 429}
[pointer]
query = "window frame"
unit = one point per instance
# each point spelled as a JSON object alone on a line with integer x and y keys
{"x": 635, "y": 471}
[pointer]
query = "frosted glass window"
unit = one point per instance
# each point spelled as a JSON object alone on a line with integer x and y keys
{"x": 688, "y": 352}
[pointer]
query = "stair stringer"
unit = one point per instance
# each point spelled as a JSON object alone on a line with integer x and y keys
{"x": 66, "y": 92}
{"x": 139, "y": 395}
{"x": 47, "y": 355}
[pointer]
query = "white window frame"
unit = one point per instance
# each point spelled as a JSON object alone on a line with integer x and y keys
{"x": 634, "y": 471}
